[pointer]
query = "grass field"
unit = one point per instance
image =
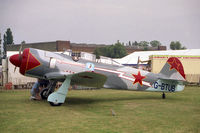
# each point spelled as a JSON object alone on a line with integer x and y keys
{"x": 88, "y": 111}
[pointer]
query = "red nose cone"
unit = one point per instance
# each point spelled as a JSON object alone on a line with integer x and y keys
{"x": 15, "y": 60}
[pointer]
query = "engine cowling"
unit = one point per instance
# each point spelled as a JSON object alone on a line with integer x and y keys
{"x": 25, "y": 61}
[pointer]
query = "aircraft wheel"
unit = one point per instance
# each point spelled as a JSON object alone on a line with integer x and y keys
{"x": 55, "y": 104}
{"x": 44, "y": 94}
{"x": 163, "y": 95}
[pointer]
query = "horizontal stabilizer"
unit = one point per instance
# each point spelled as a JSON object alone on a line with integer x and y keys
{"x": 174, "y": 81}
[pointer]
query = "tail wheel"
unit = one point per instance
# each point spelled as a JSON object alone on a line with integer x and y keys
{"x": 55, "y": 104}
{"x": 163, "y": 95}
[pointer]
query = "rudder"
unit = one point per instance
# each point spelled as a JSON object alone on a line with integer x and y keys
{"x": 173, "y": 69}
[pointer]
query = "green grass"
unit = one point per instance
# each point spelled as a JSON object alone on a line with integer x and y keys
{"x": 88, "y": 111}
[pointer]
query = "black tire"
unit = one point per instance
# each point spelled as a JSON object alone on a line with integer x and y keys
{"x": 44, "y": 94}
{"x": 163, "y": 96}
{"x": 55, "y": 104}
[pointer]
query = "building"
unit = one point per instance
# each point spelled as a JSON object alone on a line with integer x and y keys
{"x": 50, "y": 46}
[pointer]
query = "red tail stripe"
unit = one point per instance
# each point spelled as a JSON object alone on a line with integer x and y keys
{"x": 177, "y": 65}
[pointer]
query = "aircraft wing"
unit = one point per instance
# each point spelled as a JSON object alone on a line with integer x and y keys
{"x": 87, "y": 78}
{"x": 90, "y": 79}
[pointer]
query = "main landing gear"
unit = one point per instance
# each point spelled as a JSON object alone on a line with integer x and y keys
{"x": 48, "y": 90}
{"x": 163, "y": 95}
{"x": 58, "y": 97}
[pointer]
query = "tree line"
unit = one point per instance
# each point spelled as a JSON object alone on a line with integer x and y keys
{"x": 118, "y": 50}
{"x": 7, "y": 40}
{"x": 153, "y": 43}
{"x": 174, "y": 45}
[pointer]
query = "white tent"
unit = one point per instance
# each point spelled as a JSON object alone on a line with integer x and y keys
{"x": 132, "y": 59}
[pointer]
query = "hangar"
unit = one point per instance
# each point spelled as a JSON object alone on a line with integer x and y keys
{"x": 190, "y": 59}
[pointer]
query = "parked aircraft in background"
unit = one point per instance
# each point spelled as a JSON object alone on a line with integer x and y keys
{"x": 76, "y": 71}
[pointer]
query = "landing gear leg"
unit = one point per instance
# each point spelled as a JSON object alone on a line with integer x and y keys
{"x": 47, "y": 91}
{"x": 58, "y": 97}
{"x": 163, "y": 95}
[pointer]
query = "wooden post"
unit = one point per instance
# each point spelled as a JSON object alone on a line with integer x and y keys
{"x": 5, "y": 71}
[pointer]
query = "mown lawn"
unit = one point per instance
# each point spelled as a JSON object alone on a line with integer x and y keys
{"x": 89, "y": 111}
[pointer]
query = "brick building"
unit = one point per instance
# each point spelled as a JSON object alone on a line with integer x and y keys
{"x": 50, "y": 46}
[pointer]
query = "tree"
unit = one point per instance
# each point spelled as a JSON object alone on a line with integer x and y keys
{"x": 113, "y": 51}
{"x": 4, "y": 40}
{"x": 155, "y": 43}
{"x": 97, "y": 53}
{"x": 176, "y": 45}
{"x": 8, "y": 37}
{"x": 143, "y": 43}
{"x": 135, "y": 43}
{"x": 129, "y": 43}
{"x": 119, "y": 50}
{"x": 7, "y": 40}
{"x": 23, "y": 42}
{"x": 4, "y": 46}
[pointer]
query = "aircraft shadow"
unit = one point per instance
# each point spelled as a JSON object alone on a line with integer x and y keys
{"x": 78, "y": 100}
{"x": 91, "y": 100}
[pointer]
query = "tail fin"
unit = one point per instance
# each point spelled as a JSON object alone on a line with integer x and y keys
{"x": 173, "y": 70}
{"x": 171, "y": 77}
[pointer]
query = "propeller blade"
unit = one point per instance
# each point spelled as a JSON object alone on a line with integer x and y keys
{"x": 15, "y": 69}
{"x": 20, "y": 49}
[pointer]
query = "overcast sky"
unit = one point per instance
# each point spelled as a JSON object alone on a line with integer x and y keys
{"x": 102, "y": 21}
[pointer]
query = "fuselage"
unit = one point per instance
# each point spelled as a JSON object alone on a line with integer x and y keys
{"x": 119, "y": 77}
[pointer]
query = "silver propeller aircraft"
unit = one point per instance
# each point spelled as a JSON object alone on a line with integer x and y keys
{"x": 73, "y": 71}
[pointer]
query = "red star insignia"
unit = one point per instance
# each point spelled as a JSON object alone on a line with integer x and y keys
{"x": 138, "y": 78}
{"x": 174, "y": 65}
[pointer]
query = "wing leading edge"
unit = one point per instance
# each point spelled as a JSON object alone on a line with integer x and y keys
{"x": 90, "y": 79}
